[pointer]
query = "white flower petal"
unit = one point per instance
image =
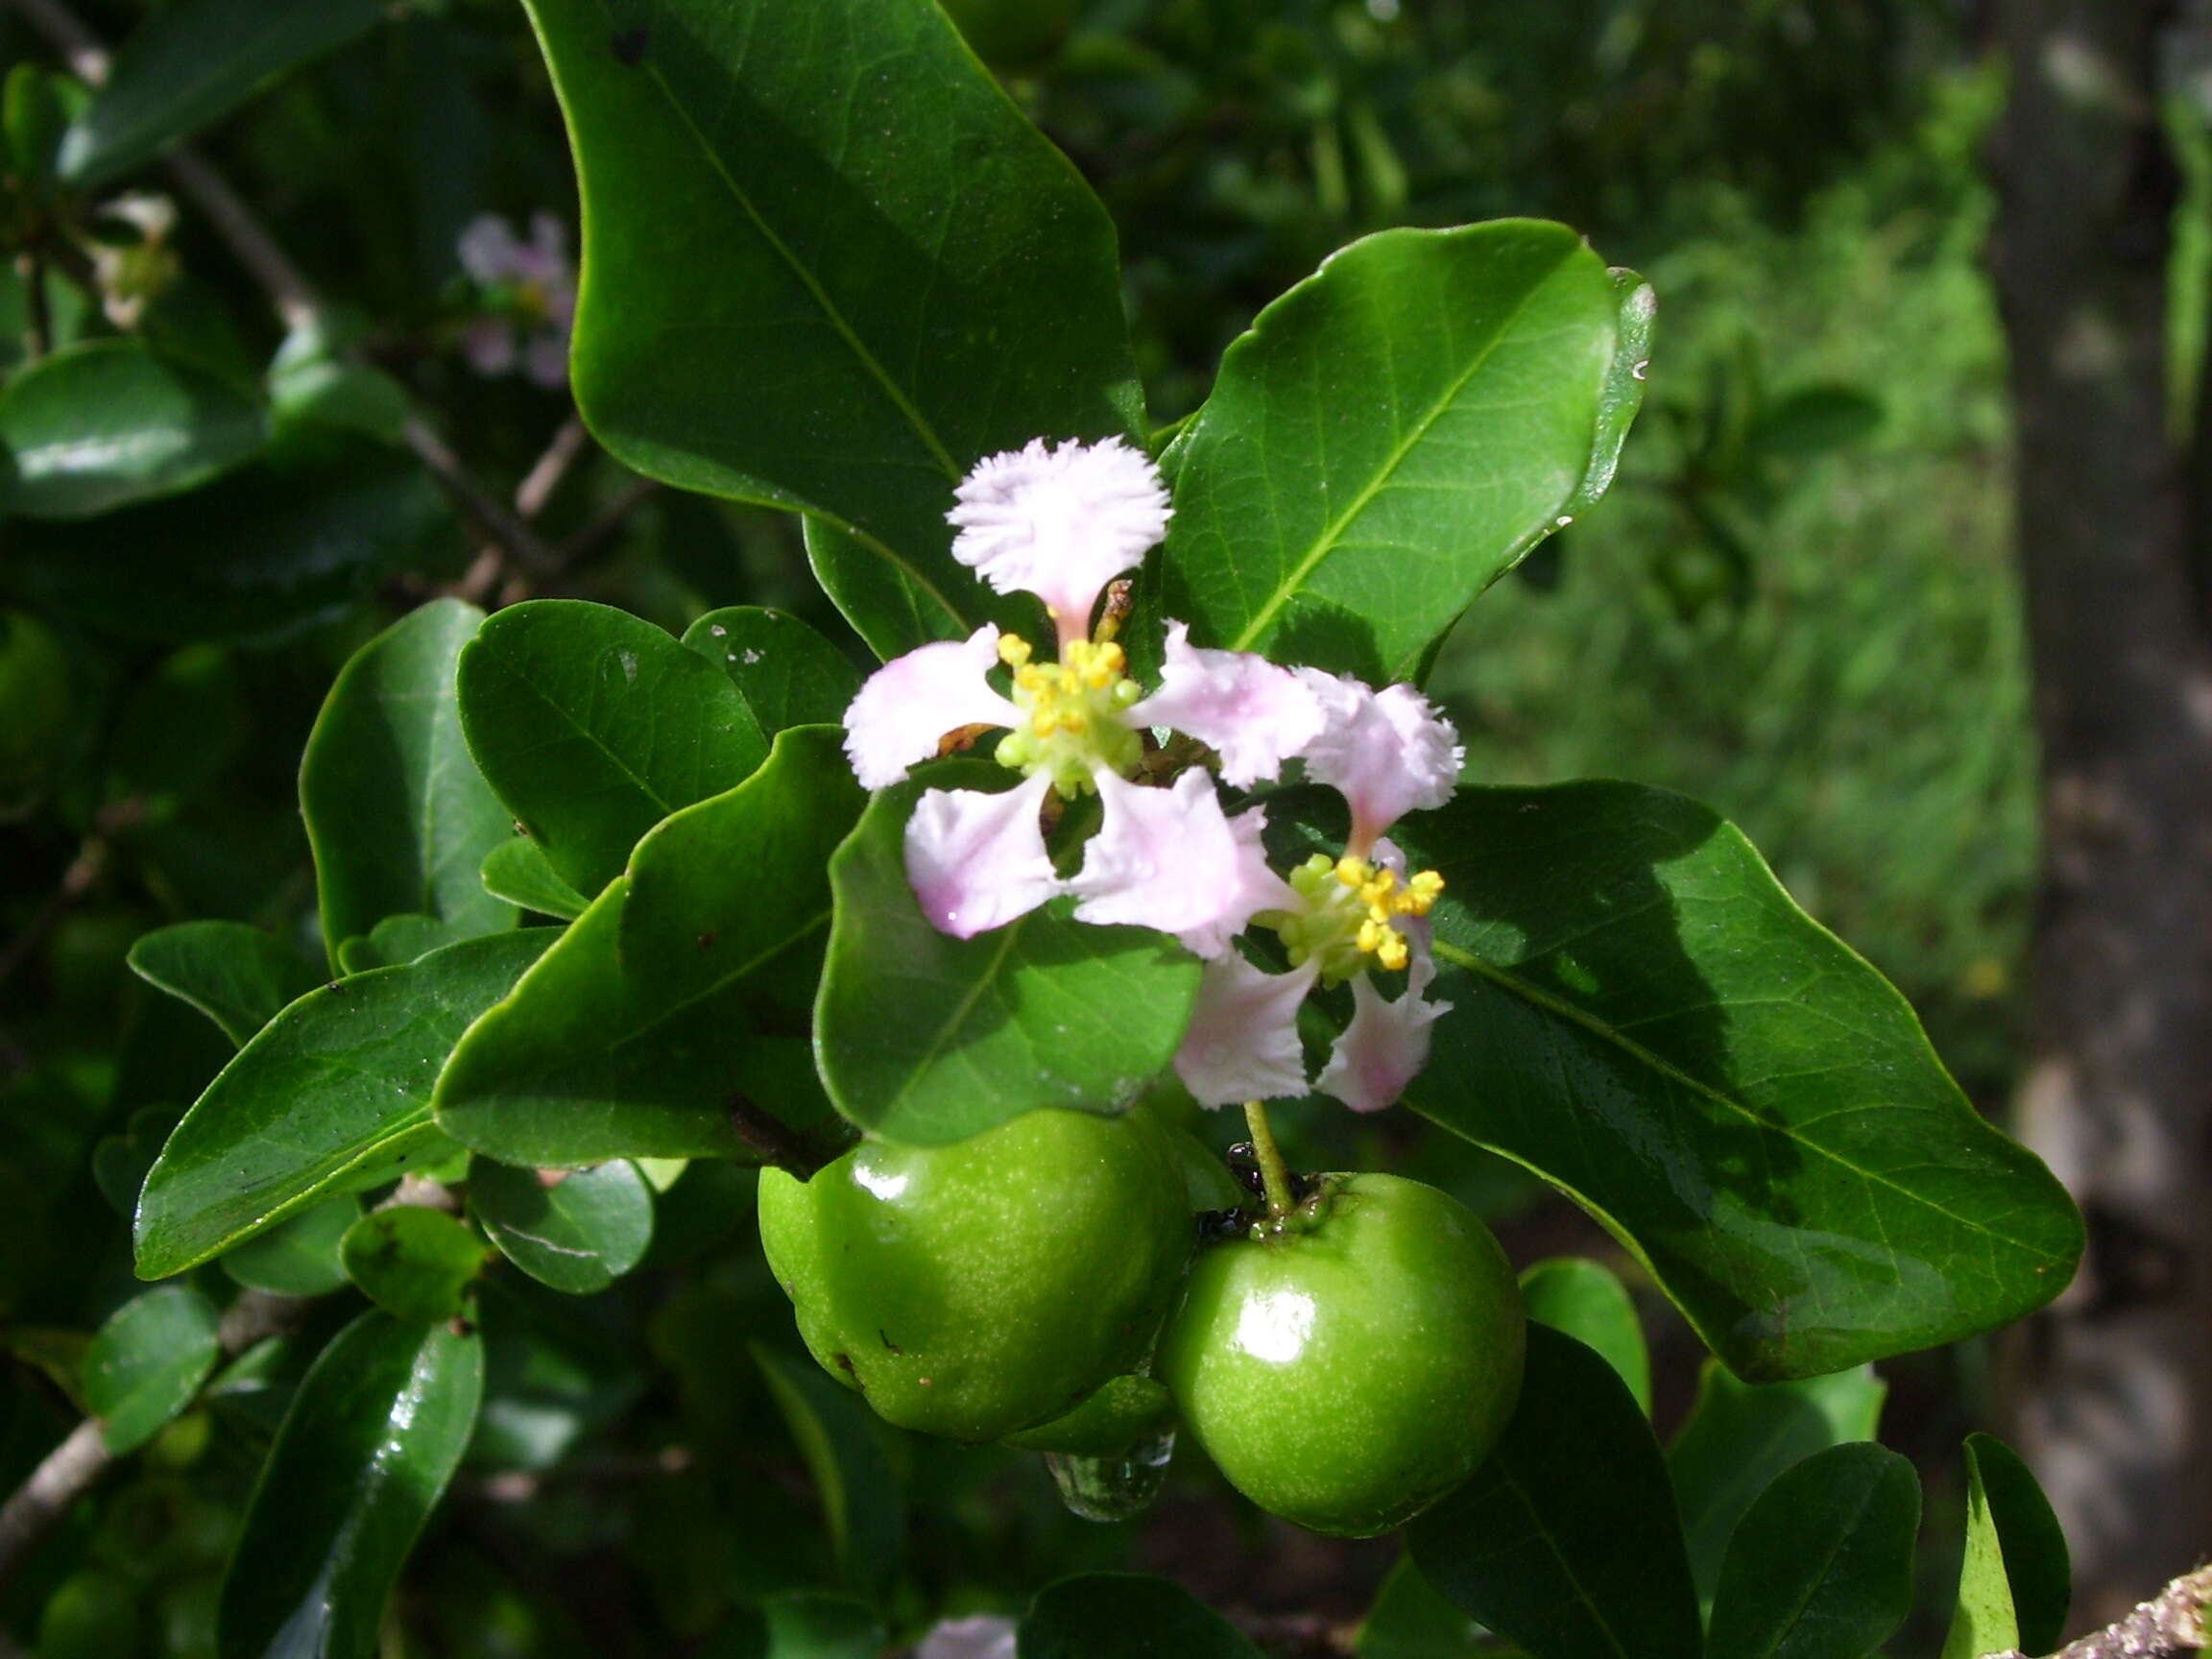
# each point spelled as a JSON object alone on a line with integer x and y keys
{"x": 1163, "y": 858}
{"x": 1255, "y": 714}
{"x": 1242, "y": 1044}
{"x": 487, "y": 248}
{"x": 1388, "y": 752}
{"x": 912, "y": 701}
{"x": 979, "y": 1636}
{"x": 1253, "y": 887}
{"x": 977, "y": 861}
{"x": 1060, "y": 522}
{"x": 1384, "y": 1047}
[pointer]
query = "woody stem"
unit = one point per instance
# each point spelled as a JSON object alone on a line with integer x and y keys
{"x": 1273, "y": 1176}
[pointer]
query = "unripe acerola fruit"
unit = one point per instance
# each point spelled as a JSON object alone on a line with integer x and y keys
{"x": 989, "y": 1285}
{"x": 1350, "y": 1369}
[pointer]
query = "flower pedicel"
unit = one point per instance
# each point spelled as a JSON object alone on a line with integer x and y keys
{"x": 1061, "y": 521}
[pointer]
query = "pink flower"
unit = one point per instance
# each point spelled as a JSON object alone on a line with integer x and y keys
{"x": 1060, "y": 521}
{"x": 1387, "y": 753}
{"x": 529, "y": 293}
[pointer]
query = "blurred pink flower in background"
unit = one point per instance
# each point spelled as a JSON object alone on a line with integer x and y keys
{"x": 526, "y": 298}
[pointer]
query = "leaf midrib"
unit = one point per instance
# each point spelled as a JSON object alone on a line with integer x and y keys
{"x": 1590, "y": 1022}
{"x": 836, "y": 319}
{"x": 1333, "y": 532}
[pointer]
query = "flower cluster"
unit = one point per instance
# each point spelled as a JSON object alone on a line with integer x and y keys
{"x": 527, "y": 294}
{"x": 1061, "y": 522}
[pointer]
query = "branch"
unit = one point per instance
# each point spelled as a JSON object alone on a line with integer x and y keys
{"x": 2170, "y": 1624}
{"x": 500, "y": 519}
{"x": 38, "y": 1504}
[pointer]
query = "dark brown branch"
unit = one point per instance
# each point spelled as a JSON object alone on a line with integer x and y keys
{"x": 779, "y": 1146}
{"x": 495, "y": 517}
{"x": 605, "y": 522}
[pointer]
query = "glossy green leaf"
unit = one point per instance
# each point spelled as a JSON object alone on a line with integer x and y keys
{"x": 191, "y": 63}
{"x": 1589, "y": 1303}
{"x": 888, "y": 606}
{"x": 828, "y": 265}
{"x": 239, "y": 977}
{"x": 414, "y": 1264}
{"x": 1641, "y": 1014}
{"x": 682, "y": 985}
{"x": 1739, "y": 1437}
{"x": 332, "y": 1096}
{"x": 1411, "y": 1621}
{"x": 517, "y": 870}
{"x": 786, "y": 672}
{"x": 1821, "y": 1566}
{"x": 399, "y": 816}
{"x": 1393, "y": 435}
{"x": 594, "y": 725}
{"x": 109, "y": 422}
{"x": 1566, "y": 1541}
{"x": 299, "y": 1257}
{"x": 147, "y": 1363}
{"x": 296, "y": 535}
{"x": 925, "y": 1038}
{"x": 579, "y": 1234}
{"x": 1125, "y": 1616}
{"x": 2015, "y": 1580}
{"x": 375, "y": 1433}
{"x": 842, "y": 1442}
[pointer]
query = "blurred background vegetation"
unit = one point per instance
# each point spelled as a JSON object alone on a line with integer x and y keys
{"x": 1797, "y": 604}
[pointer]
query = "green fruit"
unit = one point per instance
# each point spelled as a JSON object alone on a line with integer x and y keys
{"x": 1351, "y": 1367}
{"x": 1127, "y": 1411}
{"x": 987, "y": 1287}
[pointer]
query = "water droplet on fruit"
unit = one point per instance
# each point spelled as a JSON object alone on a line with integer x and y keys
{"x": 1113, "y": 1488}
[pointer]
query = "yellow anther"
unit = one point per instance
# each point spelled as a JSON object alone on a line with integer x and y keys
{"x": 1352, "y": 872}
{"x": 1012, "y": 650}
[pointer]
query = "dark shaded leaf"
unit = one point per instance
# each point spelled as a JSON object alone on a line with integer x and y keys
{"x": 239, "y": 977}
{"x": 1126, "y": 1616}
{"x": 191, "y": 63}
{"x": 109, "y": 422}
{"x": 847, "y": 268}
{"x": 1821, "y": 1566}
{"x": 332, "y": 1096}
{"x": 414, "y": 1264}
{"x": 579, "y": 1234}
{"x": 682, "y": 985}
{"x": 399, "y": 816}
{"x": 593, "y": 725}
{"x": 1641, "y": 1014}
{"x": 376, "y": 1431}
{"x": 299, "y": 1257}
{"x": 927, "y": 1039}
{"x": 147, "y": 1363}
{"x": 1741, "y": 1436}
{"x": 1566, "y": 1541}
{"x": 2016, "y": 1579}
{"x": 842, "y": 1442}
{"x": 786, "y": 672}
{"x": 1584, "y": 1299}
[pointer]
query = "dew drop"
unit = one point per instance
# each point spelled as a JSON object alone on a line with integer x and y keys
{"x": 1638, "y": 372}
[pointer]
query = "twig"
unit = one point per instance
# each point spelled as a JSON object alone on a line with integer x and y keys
{"x": 516, "y": 537}
{"x": 546, "y": 473}
{"x": 79, "y": 46}
{"x": 37, "y": 317}
{"x": 604, "y": 524}
{"x": 289, "y": 291}
{"x": 65, "y": 1476}
{"x": 2170, "y": 1624}
{"x": 773, "y": 1142}
{"x": 75, "y": 884}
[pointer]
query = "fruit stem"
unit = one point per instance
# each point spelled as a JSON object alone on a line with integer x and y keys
{"x": 1273, "y": 1176}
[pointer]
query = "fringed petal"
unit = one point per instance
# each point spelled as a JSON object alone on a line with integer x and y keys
{"x": 1253, "y": 887}
{"x": 1060, "y": 521}
{"x": 1388, "y": 752}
